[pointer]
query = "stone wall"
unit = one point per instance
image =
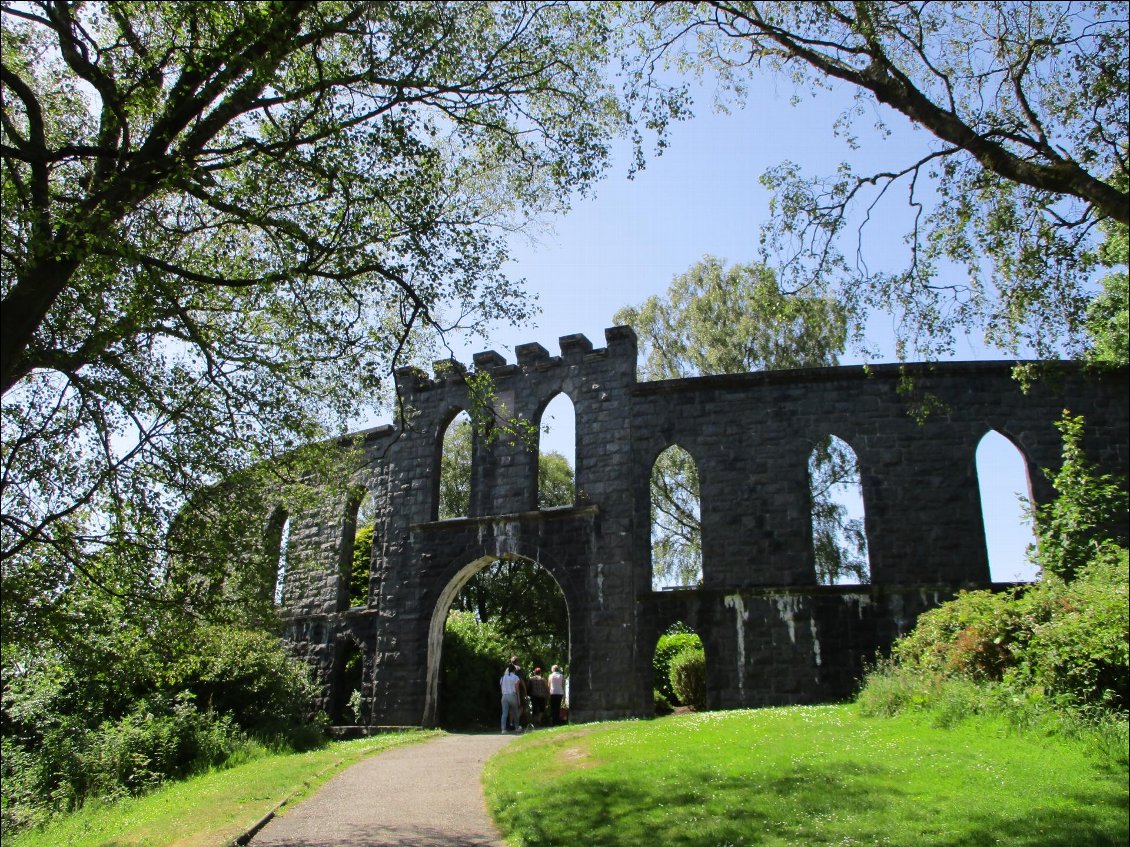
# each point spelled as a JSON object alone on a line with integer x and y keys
{"x": 772, "y": 634}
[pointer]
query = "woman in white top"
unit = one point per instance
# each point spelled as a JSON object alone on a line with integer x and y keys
{"x": 509, "y": 684}
{"x": 556, "y": 694}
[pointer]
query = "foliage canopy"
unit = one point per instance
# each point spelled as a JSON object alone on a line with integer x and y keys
{"x": 223, "y": 224}
{"x": 1025, "y": 110}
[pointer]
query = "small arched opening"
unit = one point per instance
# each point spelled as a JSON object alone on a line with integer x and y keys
{"x": 676, "y": 523}
{"x": 492, "y": 609}
{"x": 1005, "y": 489}
{"x": 357, "y": 550}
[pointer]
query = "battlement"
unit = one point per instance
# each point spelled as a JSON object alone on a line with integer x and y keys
{"x": 575, "y": 350}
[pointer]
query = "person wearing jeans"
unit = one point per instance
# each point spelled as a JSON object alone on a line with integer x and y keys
{"x": 510, "y": 708}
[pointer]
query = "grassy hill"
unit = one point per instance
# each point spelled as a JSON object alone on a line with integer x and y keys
{"x": 807, "y": 776}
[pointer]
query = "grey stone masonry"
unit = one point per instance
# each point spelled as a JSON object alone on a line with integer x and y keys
{"x": 773, "y": 635}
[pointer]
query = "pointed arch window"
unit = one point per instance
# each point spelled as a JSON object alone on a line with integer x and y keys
{"x": 357, "y": 549}
{"x": 279, "y": 544}
{"x": 1004, "y": 486}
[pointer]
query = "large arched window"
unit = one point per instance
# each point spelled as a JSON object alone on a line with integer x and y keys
{"x": 357, "y": 549}
{"x": 278, "y": 535}
{"x": 676, "y": 526}
{"x": 839, "y": 541}
{"x": 455, "y": 469}
{"x": 1002, "y": 478}
{"x": 557, "y": 454}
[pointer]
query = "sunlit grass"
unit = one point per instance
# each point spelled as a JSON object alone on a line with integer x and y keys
{"x": 210, "y": 810}
{"x": 805, "y": 776}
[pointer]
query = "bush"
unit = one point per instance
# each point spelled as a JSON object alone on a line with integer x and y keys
{"x": 69, "y": 763}
{"x": 662, "y": 704}
{"x": 1068, "y": 640}
{"x": 473, "y": 658}
{"x": 248, "y": 675}
{"x": 970, "y": 636}
{"x": 130, "y": 711}
{"x": 688, "y": 678}
{"x": 1077, "y": 650}
{"x": 670, "y": 644}
{"x": 1088, "y": 514}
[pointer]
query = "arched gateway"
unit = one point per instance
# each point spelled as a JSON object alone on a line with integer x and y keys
{"x": 774, "y": 635}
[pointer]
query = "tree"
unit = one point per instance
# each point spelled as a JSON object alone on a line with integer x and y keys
{"x": 555, "y": 481}
{"x": 1088, "y": 515}
{"x": 718, "y": 320}
{"x": 223, "y": 222}
{"x": 1026, "y": 104}
{"x": 1108, "y": 320}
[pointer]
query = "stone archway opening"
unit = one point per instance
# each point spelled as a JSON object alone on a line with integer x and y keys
{"x": 493, "y": 608}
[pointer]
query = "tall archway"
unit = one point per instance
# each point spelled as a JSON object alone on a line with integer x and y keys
{"x": 491, "y": 633}
{"x": 557, "y": 455}
{"x": 839, "y": 537}
{"x": 1003, "y": 484}
{"x": 676, "y": 522}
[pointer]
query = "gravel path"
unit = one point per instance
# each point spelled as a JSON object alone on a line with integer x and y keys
{"x": 422, "y": 795}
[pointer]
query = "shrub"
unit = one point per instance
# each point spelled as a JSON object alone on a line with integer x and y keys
{"x": 688, "y": 678}
{"x": 69, "y": 762}
{"x": 1077, "y": 650}
{"x": 1053, "y": 643}
{"x": 1088, "y": 513}
{"x": 89, "y": 724}
{"x": 971, "y": 635}
{"x": 670, "y": 644}
{"x": 662, "y": 704}
{"x": 248, "y": 675}
{"x": 473, "y": 658}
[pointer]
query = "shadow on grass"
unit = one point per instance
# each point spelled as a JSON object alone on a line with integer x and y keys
{"x": 807, "y": 805}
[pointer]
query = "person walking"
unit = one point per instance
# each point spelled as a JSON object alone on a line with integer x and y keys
{"x": 509, "y": 683}
{"x": 539, "y": 695}
{"x": 556, "y": 694}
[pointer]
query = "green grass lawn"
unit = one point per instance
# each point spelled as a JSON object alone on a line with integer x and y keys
{"x": 805, "y": 776}
{"x": 210, "y": 810}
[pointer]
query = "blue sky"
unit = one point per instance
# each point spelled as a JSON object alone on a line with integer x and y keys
{"x": 702, "y": 196}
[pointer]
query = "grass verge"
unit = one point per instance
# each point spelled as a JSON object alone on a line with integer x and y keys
{"x": 210, "y": 810}
{"x": 806, "y": 776}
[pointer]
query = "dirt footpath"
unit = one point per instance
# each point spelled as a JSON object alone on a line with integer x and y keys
{"x": 423, "y": 795}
